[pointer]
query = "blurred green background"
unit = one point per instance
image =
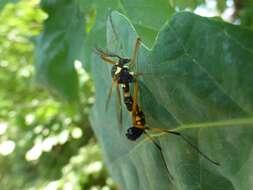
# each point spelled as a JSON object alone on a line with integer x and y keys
{"x": 46, "y": 142}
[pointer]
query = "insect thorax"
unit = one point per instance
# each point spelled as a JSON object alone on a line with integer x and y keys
{"x": 122, "y": 74}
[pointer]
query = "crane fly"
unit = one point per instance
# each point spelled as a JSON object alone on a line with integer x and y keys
{"x": 124, "y": 78}
{"x": 121, "y": 76}
{"x": 139, "y": 127}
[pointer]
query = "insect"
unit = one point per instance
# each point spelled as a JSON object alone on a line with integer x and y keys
{"x": 122, "y": 76}
{"x": 139, "y": 127}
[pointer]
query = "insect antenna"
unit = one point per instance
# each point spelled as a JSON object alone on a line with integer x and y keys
{"x": 99, "y": 51}
{"x": 115, "y": 34}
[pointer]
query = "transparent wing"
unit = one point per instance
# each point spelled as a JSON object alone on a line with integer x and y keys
{"x": 109, "y": 95}
{"x": 104, "y": 53}
{"x": 119, "y": 106}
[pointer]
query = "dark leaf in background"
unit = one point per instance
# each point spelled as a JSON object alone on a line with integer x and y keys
{"x": 59, "y": 46}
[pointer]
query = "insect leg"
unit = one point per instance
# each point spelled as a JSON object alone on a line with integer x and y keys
{"x": 193, "y": 146}
{"x": 137, "y": 74}
{"x": 135, "y": 97}
{"x": 105, "y": 56}
{"x": 161, "y": 153}
{"x": 134, "y": 53}
{"x": 108, "y": 60}
{"x": 185, "y": 139}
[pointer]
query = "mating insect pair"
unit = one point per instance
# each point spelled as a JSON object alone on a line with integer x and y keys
{"x": 121, "y": 75}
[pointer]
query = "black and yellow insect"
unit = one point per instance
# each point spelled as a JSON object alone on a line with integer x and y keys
{"x": 139, "y": 127}
{"x": 122, "y": 76}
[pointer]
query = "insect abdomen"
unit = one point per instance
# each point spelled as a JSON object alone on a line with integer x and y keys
{"x": 128, "y": 99}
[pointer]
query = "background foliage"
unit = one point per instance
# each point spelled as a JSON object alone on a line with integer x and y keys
{"x": 46, "y": 142}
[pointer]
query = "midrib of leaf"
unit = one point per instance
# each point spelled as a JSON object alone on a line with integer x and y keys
{"x": 244, "y": 122}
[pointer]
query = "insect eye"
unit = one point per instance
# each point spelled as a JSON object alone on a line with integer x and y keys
{"x": 133, "y": 133}
{"x": 126, "y": 60}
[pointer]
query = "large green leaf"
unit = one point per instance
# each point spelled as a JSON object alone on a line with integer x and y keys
{"x": 59, "y": 45}
{"x": 200, "y": 71}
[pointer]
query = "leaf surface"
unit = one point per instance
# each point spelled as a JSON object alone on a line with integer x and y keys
{"x": 199, "y": 71}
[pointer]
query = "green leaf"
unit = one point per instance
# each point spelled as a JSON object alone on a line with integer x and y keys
{"x": 59, "y": 46}
{"x": 148, "y": 16}
{"x": 97, "y": 11}
{"x": 199, "y": 73}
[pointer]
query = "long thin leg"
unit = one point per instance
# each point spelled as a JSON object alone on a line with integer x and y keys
{"x": 185, "y": 139}
{"x": 108, "y": 60}
{"x": 135, "y": 97}
{"x": 161, "y": 153}
{"x": 115, "y": 34}
{"x": 137, "y": 74}
{"x": 134, "y": 53}
{"x": 105, "y": 56}
{"x": 194, "y": 147}
{"x": 119, "y": 106}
